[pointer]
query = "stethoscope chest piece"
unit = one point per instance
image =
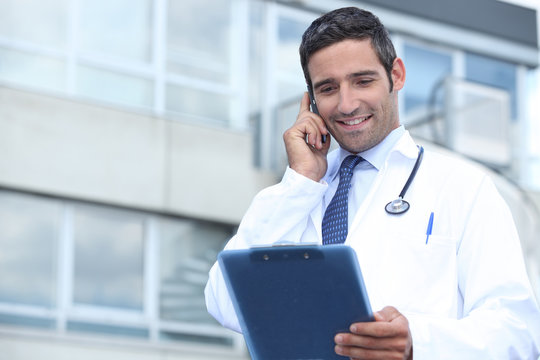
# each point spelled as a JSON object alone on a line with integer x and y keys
{"x": 398, "y": 206}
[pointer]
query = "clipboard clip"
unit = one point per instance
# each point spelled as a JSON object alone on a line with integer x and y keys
{"x": 284, "y": 243}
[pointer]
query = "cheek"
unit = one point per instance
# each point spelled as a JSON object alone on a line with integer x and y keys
{"x": 377, "y": 100}
{"x": 326, "y": 108}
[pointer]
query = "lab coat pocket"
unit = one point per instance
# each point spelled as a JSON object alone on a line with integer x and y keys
{"x": 424, "y": 274}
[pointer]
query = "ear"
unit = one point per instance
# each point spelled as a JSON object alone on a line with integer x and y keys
{"x": 398, "y": 74}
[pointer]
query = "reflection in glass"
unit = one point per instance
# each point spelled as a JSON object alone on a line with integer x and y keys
{"x": 40, "y": 22}
{"x": 114, "y": 87}
{"x": 426, "y": 69}
{"x": 119, "y": 28}
{"x": 290, "y": 81}
{"x": 256, "y": 57}
{"x": 27, "y": 321}
{"x": 32, "y": 70}
{"x": 290, "y": 34}
{"x": 493, "y": 72}
{"x": 125, "y": 331}
{"x": 198, "y": 103}
{"x": 188, "y": 250}
{"x": 199, "y": 38}
{"x": 105, "y": 290}
{"x": 29, "y": 246}
{"x": 108, "y": 258}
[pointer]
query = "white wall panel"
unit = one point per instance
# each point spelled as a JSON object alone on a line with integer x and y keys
{"x": 79, "y": 150}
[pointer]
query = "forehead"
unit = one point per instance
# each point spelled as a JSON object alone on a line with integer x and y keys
{"x": 342, "y": 58}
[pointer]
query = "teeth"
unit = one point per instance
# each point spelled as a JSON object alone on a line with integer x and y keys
{"x": 355, "y": 121}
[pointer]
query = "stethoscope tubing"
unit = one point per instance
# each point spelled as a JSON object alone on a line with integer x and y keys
{"x": 400, "y": 206}
{"x": 413, "y": 172}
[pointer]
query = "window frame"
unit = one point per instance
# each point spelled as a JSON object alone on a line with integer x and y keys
{"x": 67, "y": 312}
{"x": 155, "y": 70}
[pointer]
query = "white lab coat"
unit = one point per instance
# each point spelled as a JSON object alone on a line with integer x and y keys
{"x": 465, "y": 293}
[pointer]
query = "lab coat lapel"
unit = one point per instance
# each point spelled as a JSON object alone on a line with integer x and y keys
{"x": 404, "y": 148}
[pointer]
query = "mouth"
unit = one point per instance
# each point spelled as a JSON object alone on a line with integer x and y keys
{"x": 356, "y": 120}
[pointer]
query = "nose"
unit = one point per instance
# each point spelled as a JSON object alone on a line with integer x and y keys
{"x": 347, "y": 101}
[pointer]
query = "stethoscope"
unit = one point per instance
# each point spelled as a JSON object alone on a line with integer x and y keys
{"x": 399, "y": 206}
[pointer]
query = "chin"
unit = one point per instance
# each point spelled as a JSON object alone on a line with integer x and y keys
{"x": 356, "y": 147}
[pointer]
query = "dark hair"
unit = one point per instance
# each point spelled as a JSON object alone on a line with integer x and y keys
{"x": 343, "y": 24}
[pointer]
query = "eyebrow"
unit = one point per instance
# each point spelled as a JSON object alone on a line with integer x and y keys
{"x": 349, "y": 76}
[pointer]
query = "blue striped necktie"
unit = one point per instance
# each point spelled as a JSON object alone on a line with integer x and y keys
{"x": 336, "y": 217}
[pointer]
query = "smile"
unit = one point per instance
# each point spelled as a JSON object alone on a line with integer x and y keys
{"x": 356, "y": 121}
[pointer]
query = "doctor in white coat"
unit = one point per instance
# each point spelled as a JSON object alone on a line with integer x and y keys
{"x": 447, "y": 275}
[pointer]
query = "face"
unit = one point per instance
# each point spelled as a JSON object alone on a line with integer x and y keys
{"x": 353, "y": 95}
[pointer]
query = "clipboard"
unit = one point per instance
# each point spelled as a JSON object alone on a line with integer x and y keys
{"x": 292, "y": 300}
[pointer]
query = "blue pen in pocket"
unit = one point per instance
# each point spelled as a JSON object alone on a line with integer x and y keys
{"x": 429, "y": 227}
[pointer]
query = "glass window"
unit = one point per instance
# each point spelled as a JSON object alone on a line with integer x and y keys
{"x": 39, "y": 22}
{"x": 290, "y": 31}
{"x": 108, "y": 258}
{"x": 32, "y": 70}
{"x": 106, "y": 263}
{"x": 198, "y": 103}
{"x": 114, "y": 87}
{"x": 426, "y": 68}
{"x": 119, "y": 28}
{"x": 256, "y": 56}
{"x": 187, "y": 251}
{"x": 114, "y": 330}
{"x": 493, "y": 72}
{"x": 199, "y": 39}
{"x": 291, "y": 82}
{"x": 28, "y": 259}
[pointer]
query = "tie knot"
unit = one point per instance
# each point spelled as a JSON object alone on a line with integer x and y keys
{"x": 349, "y": 163}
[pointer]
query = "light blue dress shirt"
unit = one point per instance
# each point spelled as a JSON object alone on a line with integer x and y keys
{"x": 365, "y": 172}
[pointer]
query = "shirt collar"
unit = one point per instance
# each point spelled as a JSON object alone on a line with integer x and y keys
{"x": 377, "y": 155}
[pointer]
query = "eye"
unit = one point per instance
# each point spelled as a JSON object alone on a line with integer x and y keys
{"x": 326, "y": 89}
{"x": 364, "y": 82}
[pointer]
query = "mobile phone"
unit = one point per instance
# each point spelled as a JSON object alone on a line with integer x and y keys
{"x": 313, "y": 105}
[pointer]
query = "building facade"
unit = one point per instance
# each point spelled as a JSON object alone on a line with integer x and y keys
{"x": 134, "y": 134}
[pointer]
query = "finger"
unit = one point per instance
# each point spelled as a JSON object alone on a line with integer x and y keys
{"x": 376, "y": 329}
{"x": 304, "y": 103}
{"x": 359, "y": 346}
{"x": 366, "y": 342}
{"x": 366, "y": 354}
{"x": 320, "y": 125}
{"x": 389, "y": 332}
{"x": 313, "y": 129}
{"x": 314, "y": 138}
{"x": 303, "y": 132}
{"x": 398, "y": 327}
{"x": 387, "y": 314}
{"x": 378, "y": 316}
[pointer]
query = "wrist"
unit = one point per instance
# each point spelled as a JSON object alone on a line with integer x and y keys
{"x": 308, "y": 173}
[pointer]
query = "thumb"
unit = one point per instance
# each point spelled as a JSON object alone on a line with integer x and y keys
{"x": 387, "y": 314}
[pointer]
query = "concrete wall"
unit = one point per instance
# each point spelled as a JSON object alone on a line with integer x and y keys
{"x": 79, "y": 150}
{"x": 47, "y": 348}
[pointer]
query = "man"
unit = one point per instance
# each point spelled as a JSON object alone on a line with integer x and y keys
{"x": 458, "y": 290}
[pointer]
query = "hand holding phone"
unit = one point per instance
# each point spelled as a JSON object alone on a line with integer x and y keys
{"x": 314, "y": 108}
{"x": 306, "y": 151}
